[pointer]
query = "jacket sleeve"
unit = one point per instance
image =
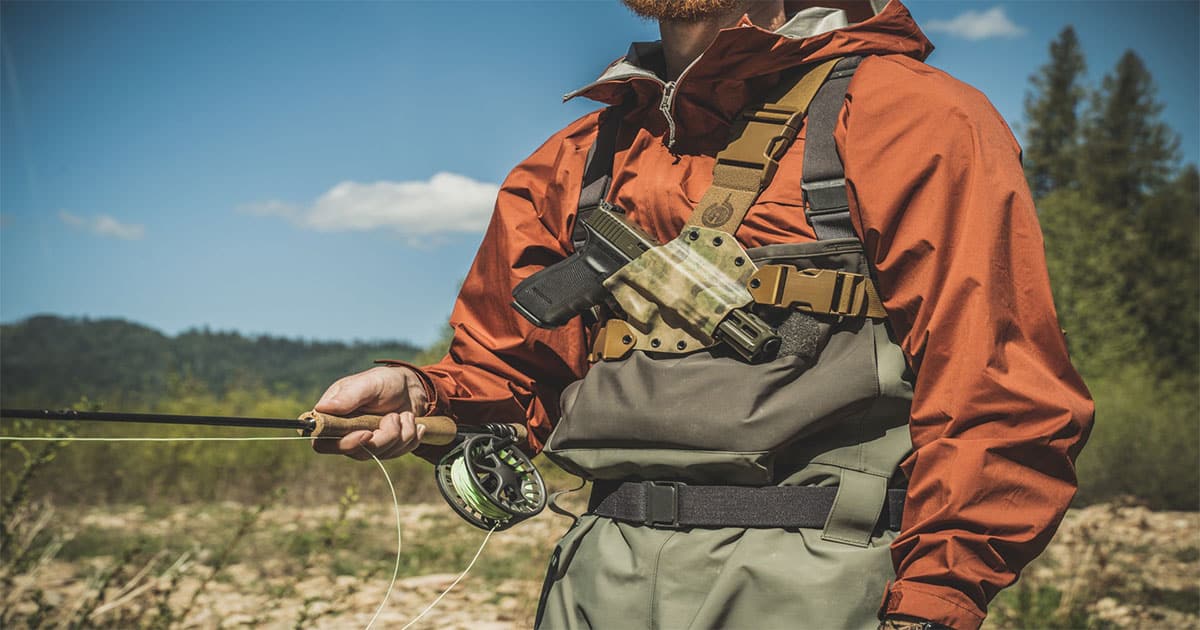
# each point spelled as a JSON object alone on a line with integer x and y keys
{"x": 501, "y": 368}
{"x": 999, "y": 414}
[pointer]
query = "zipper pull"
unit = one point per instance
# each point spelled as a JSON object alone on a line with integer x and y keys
{"x": 665, "y": 108}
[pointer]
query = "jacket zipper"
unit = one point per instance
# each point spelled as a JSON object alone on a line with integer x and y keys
{"x": 668, "y": 99}
{"x": 665, "y": 107}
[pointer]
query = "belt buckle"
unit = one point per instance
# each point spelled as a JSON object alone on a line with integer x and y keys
{"x": 662, "y": 504}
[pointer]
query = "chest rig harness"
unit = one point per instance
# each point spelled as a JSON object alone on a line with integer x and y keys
{"x": 671, "y": 304}
{"x": 754, "y": 331}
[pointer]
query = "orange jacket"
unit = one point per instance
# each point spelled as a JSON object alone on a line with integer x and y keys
{"x": 939, "y": 200}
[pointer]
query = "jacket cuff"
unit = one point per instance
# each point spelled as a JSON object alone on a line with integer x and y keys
{"x": 436, "y": 404}
{"x": 938, "y": 604}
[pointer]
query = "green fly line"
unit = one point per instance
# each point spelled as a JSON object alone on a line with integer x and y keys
{"x": 466, "y": 487}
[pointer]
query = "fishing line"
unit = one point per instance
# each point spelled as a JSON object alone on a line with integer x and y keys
{"x": 490, "y": 482}
{"x": 463, "y": 485}
{"x": 396, "y": 504}
{"x": 461, "y": 477}
{"x": 454, "y": 583}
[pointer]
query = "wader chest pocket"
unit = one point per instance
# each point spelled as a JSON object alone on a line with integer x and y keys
{"x": 708, "y": 417}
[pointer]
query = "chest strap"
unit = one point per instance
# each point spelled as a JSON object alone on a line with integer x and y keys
{"x": 824, "y": 177}
{"x": 667, "y": 505}
{"x": 597, "y": 170}
{"x": 759, "y": 138}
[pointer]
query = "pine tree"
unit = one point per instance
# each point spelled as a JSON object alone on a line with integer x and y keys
{"x": 1128, "y": 153}
{"x": 1123, "y": 249}
{"x": 1168, "y": 285}
{"x": 1051, "y": 107}
{"x": 1086, "y": 259}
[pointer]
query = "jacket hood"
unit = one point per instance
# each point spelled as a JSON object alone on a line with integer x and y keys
{"x": 746, "y": 52}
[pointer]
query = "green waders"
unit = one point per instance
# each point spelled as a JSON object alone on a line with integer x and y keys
{"x": 830, "y": 410}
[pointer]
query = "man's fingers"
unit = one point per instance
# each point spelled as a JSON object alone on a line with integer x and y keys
{"x": 408, "y": 427}
{"x": 398, "y": 433}
{"x": 350, "y": 444}
{"x": 389, "y": 431}
{"x": 409, "y": 437}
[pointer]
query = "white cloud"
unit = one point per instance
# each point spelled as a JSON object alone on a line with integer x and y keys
{"x": 104, "y": 225}
{"x": 447, "y": 202}
{"x": 977, "y": 25}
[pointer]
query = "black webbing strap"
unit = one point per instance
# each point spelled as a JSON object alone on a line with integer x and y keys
{"x": 597, "y": 171}
{"x": 824, "y": 178}
{"x": 665, "y": 504}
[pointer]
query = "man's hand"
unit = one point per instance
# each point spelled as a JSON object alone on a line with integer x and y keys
{"x": 394, "y": 391}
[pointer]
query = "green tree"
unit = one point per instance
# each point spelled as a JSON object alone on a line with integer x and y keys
{"x": 1128, "y": 153}
{"x": 1089, "y": 294}
{"x": 1168, "y": 288}
{"x": 1051, "y": 108}
{"x": 1123, "y": 249}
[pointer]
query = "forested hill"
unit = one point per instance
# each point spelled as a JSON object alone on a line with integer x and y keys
{"x": 53, "y": 361}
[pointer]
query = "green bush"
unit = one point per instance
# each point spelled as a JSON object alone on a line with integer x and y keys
{"x": 1146, "y": 440}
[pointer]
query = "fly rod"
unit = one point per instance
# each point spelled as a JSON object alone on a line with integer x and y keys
{"x": 486, "y": 478}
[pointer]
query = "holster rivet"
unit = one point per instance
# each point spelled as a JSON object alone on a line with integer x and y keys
{"x": 739, "y": 261}
{"x": 654, "y": 343}
{"x": 755, "y": 283}
{"x": 718, "y": 241}
{"x": 693, "y": 235}
{"x": 627, "y": 340}
{"x": 681, "y": 345}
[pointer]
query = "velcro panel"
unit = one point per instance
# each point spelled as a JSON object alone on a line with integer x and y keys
{"x": 860, "y": 500}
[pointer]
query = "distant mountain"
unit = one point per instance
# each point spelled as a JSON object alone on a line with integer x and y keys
{"x": 53, "y": 361}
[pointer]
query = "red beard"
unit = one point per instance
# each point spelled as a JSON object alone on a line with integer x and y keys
{"x": 684, "y": 10}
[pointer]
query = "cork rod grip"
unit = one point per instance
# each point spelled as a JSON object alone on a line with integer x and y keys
{"x": 439, "y": 430}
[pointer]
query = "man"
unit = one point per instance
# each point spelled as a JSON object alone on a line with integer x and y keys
{"x": 968, "y": 360}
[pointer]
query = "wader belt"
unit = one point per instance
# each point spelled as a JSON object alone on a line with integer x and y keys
{"x": 666, "y": 504}
{"x": 824, "y": 178}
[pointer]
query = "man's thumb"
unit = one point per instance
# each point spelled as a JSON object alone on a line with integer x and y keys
{"x": 331, "y": 402}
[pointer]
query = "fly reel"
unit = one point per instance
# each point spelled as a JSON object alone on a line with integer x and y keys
{"x": 490, "y": 482}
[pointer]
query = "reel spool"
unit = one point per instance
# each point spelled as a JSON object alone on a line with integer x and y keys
{"x": 490, "y": 482}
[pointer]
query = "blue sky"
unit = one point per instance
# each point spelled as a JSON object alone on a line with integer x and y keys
{"x": 270, "y": 167}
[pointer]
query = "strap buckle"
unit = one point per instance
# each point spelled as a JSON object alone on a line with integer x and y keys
{"x": 761, "y": 137}
{"x": 825, "y": 291}
{"x": 825, "y": 197}
{"x": 662, "y": 504}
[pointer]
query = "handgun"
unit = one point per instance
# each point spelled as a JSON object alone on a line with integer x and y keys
{"x": 554, "y": 295}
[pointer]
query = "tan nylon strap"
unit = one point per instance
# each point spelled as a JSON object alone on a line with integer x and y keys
{"x": 616, "y": 339}
{"x": 761, "y": 135}
{"x": 825, "y": 291}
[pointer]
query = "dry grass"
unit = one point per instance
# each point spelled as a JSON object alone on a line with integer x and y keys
{"x": 287, "y": 560}
{"x": 287, "y": 566}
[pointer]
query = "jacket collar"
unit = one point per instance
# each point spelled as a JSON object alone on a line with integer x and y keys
{"x": 746, "y": 51}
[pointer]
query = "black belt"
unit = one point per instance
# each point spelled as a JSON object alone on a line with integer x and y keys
{"x": 669, "y": 504}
